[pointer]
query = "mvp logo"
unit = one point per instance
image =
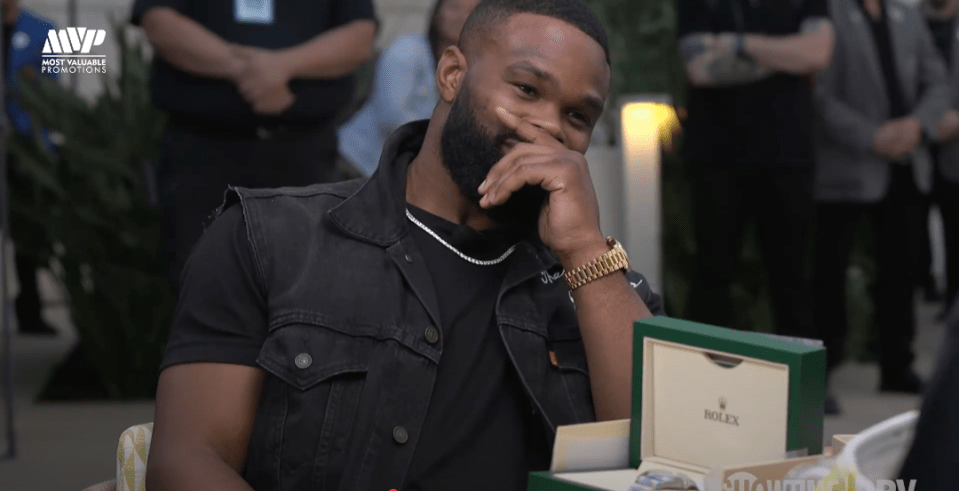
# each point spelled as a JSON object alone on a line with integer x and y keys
{"x": 72, "y": 40}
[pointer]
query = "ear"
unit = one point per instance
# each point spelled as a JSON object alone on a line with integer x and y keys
{"x": 450, "y": 72}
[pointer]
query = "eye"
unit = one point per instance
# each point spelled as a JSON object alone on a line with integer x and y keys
{"x": 580, "y": 117}
{"x": 526, "y": 89}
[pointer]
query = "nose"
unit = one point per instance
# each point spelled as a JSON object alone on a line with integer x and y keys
{"x": 549, "y": 124}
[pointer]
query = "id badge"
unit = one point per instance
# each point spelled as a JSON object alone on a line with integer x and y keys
{"x": 253, "y": 11}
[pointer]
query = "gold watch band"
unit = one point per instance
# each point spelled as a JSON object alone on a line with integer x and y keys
{"x": 608, "y": 263}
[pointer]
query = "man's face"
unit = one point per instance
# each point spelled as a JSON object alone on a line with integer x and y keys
{"x": 541, "y": 69}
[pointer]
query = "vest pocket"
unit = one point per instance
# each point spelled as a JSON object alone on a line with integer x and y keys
{"x": 318, "y": 376}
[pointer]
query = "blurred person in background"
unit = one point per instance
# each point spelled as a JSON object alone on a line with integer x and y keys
{"x": 404, "y": 87}
{"x": 942, "y": 18}
{"x": 882, "y": 97}
{"x": 24, "y": 33}
{"x": 748, "y": 145}
{"x": 253, "y": 88}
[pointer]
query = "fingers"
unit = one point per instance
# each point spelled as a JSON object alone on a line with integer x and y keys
{"x": 517, "y": 153}
{"x": 549, "y": 171}
{"x": 525, "y": 130}
{"x": 274, "y": 103}
{"x": 535, "y": 172}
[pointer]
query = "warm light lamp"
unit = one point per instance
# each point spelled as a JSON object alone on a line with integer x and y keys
{"x": 647, "y": 124}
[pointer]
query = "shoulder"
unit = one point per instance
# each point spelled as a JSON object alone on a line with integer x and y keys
{"x": 286, "y": 224}
{"x": 31, "y": 19}
{"x": 319, "y": 196}
{"x": 274, "y": 215}
{"x": 407, "y": 49}
{"x": 910, "y": 8}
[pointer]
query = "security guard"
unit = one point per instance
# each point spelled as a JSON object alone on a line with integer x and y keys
{"x": 252, "y": 88}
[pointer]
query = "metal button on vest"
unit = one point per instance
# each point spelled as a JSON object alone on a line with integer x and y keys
{"x": 303, "y": 361}
{"x": 400, "y": 435}
{"x": 409, "y": 258}
{"x": 432, "y": 335}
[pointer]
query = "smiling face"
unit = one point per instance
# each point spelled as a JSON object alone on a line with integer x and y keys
{"x": 541, "y": 69}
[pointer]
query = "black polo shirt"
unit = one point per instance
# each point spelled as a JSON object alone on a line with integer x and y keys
{"x": 294, "y": 22}
{"x": 766, "y": 123}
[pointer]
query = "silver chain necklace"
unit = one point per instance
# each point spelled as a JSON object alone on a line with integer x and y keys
{"x": 466, "y": 258}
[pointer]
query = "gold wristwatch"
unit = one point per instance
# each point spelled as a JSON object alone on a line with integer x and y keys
{"x": 612, "y": 261}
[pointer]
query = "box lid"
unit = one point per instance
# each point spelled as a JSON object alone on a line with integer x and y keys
{"x": 706, "y": 396}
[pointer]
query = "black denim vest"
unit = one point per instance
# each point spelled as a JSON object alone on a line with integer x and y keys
{"x": 351, "y": 366}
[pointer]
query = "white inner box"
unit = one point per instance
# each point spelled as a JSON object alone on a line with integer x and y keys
{"x": 703, "y": 409}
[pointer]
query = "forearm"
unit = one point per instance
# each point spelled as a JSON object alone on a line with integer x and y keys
{"x": 192, "y": 469}
{"x": 185, "y": 44}
{"x": 712, "y": 61}
{"x": 606, "y": 309}
{"x": 799, "y": 54}
{"x": 335, "y": 53}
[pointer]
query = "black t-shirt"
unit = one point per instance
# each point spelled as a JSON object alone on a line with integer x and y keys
{"x": 766, "y": 123}
{"x": 480, "y": 431}
{"x": 942, "y": 36}
{"x": 318, "y": 102}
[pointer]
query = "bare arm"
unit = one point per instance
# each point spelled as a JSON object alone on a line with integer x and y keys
{"x": 606, "y": 309}
{"x": 335, "y": 53}
{"x": 189, "y": 46}
{"x": 712, "y": 59}
{"x": 801, "y": 54}
{"x": 204, "y": 421}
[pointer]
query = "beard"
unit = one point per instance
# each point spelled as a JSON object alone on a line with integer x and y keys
{"x": 469, "y": 152}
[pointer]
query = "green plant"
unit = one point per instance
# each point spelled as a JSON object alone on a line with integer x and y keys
{"x": 91, "y": 197}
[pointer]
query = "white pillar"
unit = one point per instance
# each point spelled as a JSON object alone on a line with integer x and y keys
{"x": 641, "y": 120}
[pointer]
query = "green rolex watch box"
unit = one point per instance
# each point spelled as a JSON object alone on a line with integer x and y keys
{"x": 707, "y": 398}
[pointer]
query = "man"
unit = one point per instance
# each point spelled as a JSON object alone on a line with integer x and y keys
{"x": 748, "y": 145}
{"x": 403, "y": 86}
{"x": 415, "y": 330}
{"x": 24, "y": 33}
{"x": 253, "y": 88}
{"x": 941, "y": 17}
{"x": 883, "y": 94}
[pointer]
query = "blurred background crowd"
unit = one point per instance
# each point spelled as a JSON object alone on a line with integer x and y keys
{"x": 812, "y": 189}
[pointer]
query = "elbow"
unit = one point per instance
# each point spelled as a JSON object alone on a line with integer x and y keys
{"x": 158, "y": 473}
{"x": 819, "y": 60}
{"x": 153, "y": 24}
{"x": 696, "y": 75}
{"x": 820, "y": 56}
{"x": 364, "y": 40}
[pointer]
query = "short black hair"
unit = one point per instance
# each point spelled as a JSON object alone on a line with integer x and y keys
{"x": 492, "y": 13}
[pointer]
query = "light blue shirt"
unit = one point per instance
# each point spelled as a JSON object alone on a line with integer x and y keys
{"x": 404, "y": 90}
